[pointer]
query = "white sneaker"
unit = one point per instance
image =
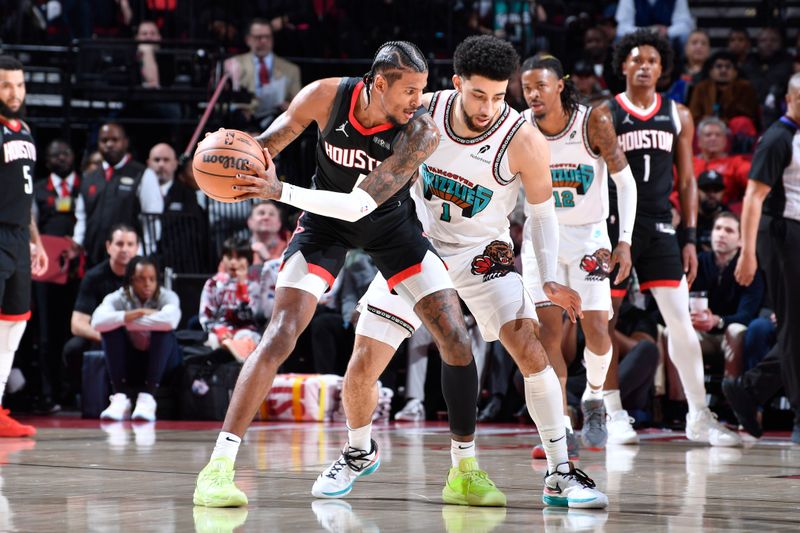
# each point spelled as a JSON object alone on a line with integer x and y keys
{"x": 620, "y": 430}
{"x": 119, "y": 408}
{"x": 571, "y": 487}
{"x": 145, "y": 407}
{"x": 337, "y": 480}
{"x": 702, "y": 426}
{"x": 414, "y": 411}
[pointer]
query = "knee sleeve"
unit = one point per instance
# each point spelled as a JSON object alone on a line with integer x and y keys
{"x": 460, "y": 391}
{"x": 10, "y": 334}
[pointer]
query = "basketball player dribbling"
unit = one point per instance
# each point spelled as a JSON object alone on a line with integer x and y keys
{"x": 373, "y": 136}
{"x": 656, "y": 133}
{"x": 465, "y": 192}
{"x": 582, "y": 145}
{"x": 21, "y": 250}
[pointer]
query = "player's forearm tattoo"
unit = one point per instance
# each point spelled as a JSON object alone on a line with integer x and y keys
{"x": 280, "y": 133}
{"x": 411, "y": 147}
{"x": 603, "y": 138}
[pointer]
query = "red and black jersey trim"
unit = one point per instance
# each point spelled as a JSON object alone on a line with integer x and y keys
{"x": 391, "y": 318}
{"x": 13, "y": 125}
{"x": 621, "y": 101}
{"x": 501, "y": 152}
{"x": 351, "y": 116}
{"x": 480, "y": 138}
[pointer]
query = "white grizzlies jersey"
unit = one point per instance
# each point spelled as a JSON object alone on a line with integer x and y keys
{"x": 580, "y": 181}
{"x": 466, "y": 190}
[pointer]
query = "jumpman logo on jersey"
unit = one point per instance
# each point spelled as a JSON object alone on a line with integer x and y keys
{"x": 342, "y": 129}
{"x": 627, "y": 119}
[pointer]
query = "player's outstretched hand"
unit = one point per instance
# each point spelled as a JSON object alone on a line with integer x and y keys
{"x": 39, "y": 260}
{"x": 565, "y": 298}
{"x": 621, "y": 257}
{"x": 689, "y": 254}
{"x": 265, "y": 184}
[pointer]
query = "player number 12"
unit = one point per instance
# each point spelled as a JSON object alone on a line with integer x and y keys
{"x": 564, "y": 198}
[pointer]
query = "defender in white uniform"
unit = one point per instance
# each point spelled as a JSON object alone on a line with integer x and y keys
{"x": 464, "y": 193}
{"x": 583, "y": 146}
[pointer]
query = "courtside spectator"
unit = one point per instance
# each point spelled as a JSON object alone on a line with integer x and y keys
{"x": 230, "y": 302}
{"x": 721, "y": 324}
{"x": 99, "y": 281}
{"x": 137, "y": 323}
{"x": 268, "y": 236}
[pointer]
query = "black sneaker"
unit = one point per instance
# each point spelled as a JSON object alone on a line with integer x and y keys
{"x": 743, "y": 405}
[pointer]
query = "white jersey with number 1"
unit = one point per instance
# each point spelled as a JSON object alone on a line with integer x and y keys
{"x": 466, "y": 189}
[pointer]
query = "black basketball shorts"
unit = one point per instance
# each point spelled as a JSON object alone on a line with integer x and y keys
{"x": 393, "y": 239}
{"x": 655, "y": 253}
{"x": 15, "y": 273}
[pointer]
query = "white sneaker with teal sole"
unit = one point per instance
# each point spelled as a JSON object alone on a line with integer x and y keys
{"x": 337, "y": 480}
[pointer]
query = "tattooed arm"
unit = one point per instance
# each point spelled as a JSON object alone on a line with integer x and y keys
{"x": 411, "y": 147}
{"x": 312, "y": 104}
{"x": 603, "y": 140}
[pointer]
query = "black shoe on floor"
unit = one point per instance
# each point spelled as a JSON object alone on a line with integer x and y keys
{"x": 491, "y": 412}
{"x": 743, "y": 405}
{"x": 46, "y": 406}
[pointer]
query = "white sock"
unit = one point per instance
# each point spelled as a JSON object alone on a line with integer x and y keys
{"x": 360, "y": 438}
{"x": 227, "y": 446}
{"x": 6, "y": 360}
{"x": 543, "y": 398}
{"x": 461, "y": 450}
{"x": 612, "y": 400}
{"x": 682, "y": 342}
{"x": 596, "y": 368}
{"x": 568, "y": 423}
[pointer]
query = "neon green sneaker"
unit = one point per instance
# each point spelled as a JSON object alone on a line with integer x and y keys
{"x": 469, "y": 485}
{"x": 215, "y": 486}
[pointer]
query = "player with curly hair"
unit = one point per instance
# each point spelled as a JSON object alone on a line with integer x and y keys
{"x": 655, "y": 134}
{"x": 464, "y": 194}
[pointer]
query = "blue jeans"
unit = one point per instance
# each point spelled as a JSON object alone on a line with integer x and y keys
{"x": 128, "y": 366}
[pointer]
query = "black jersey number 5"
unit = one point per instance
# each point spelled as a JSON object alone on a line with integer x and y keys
{"x": 26, "y": 173}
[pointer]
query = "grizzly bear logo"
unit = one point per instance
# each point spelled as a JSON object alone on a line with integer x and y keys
{"x": 496, "y": 261}
{"x": 597, "y": 265}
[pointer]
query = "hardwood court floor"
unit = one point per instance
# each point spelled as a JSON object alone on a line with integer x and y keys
{"x": 81, "y": 476}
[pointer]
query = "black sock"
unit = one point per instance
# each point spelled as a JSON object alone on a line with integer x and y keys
{"x": 460, "y": 391}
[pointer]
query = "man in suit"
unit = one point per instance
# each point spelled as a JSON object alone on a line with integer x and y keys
{"x": 182, "y": 221}
{"x": 272, "y": 80}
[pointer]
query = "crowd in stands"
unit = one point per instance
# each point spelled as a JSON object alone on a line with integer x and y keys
{"x": 119, "y": 297}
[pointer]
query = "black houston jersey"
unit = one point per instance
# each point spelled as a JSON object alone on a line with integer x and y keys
{"x": 17, "y": 163}
{"x": 648, "y": 137}
{"x": 347, "y": 151}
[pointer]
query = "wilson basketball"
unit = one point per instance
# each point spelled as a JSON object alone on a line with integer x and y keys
{"x": 222, "y": 155}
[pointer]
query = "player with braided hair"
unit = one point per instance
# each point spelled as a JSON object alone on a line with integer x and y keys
{"x": 373, "y": 136}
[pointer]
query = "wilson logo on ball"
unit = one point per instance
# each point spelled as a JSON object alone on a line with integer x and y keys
{"x": 239, "y": 163}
